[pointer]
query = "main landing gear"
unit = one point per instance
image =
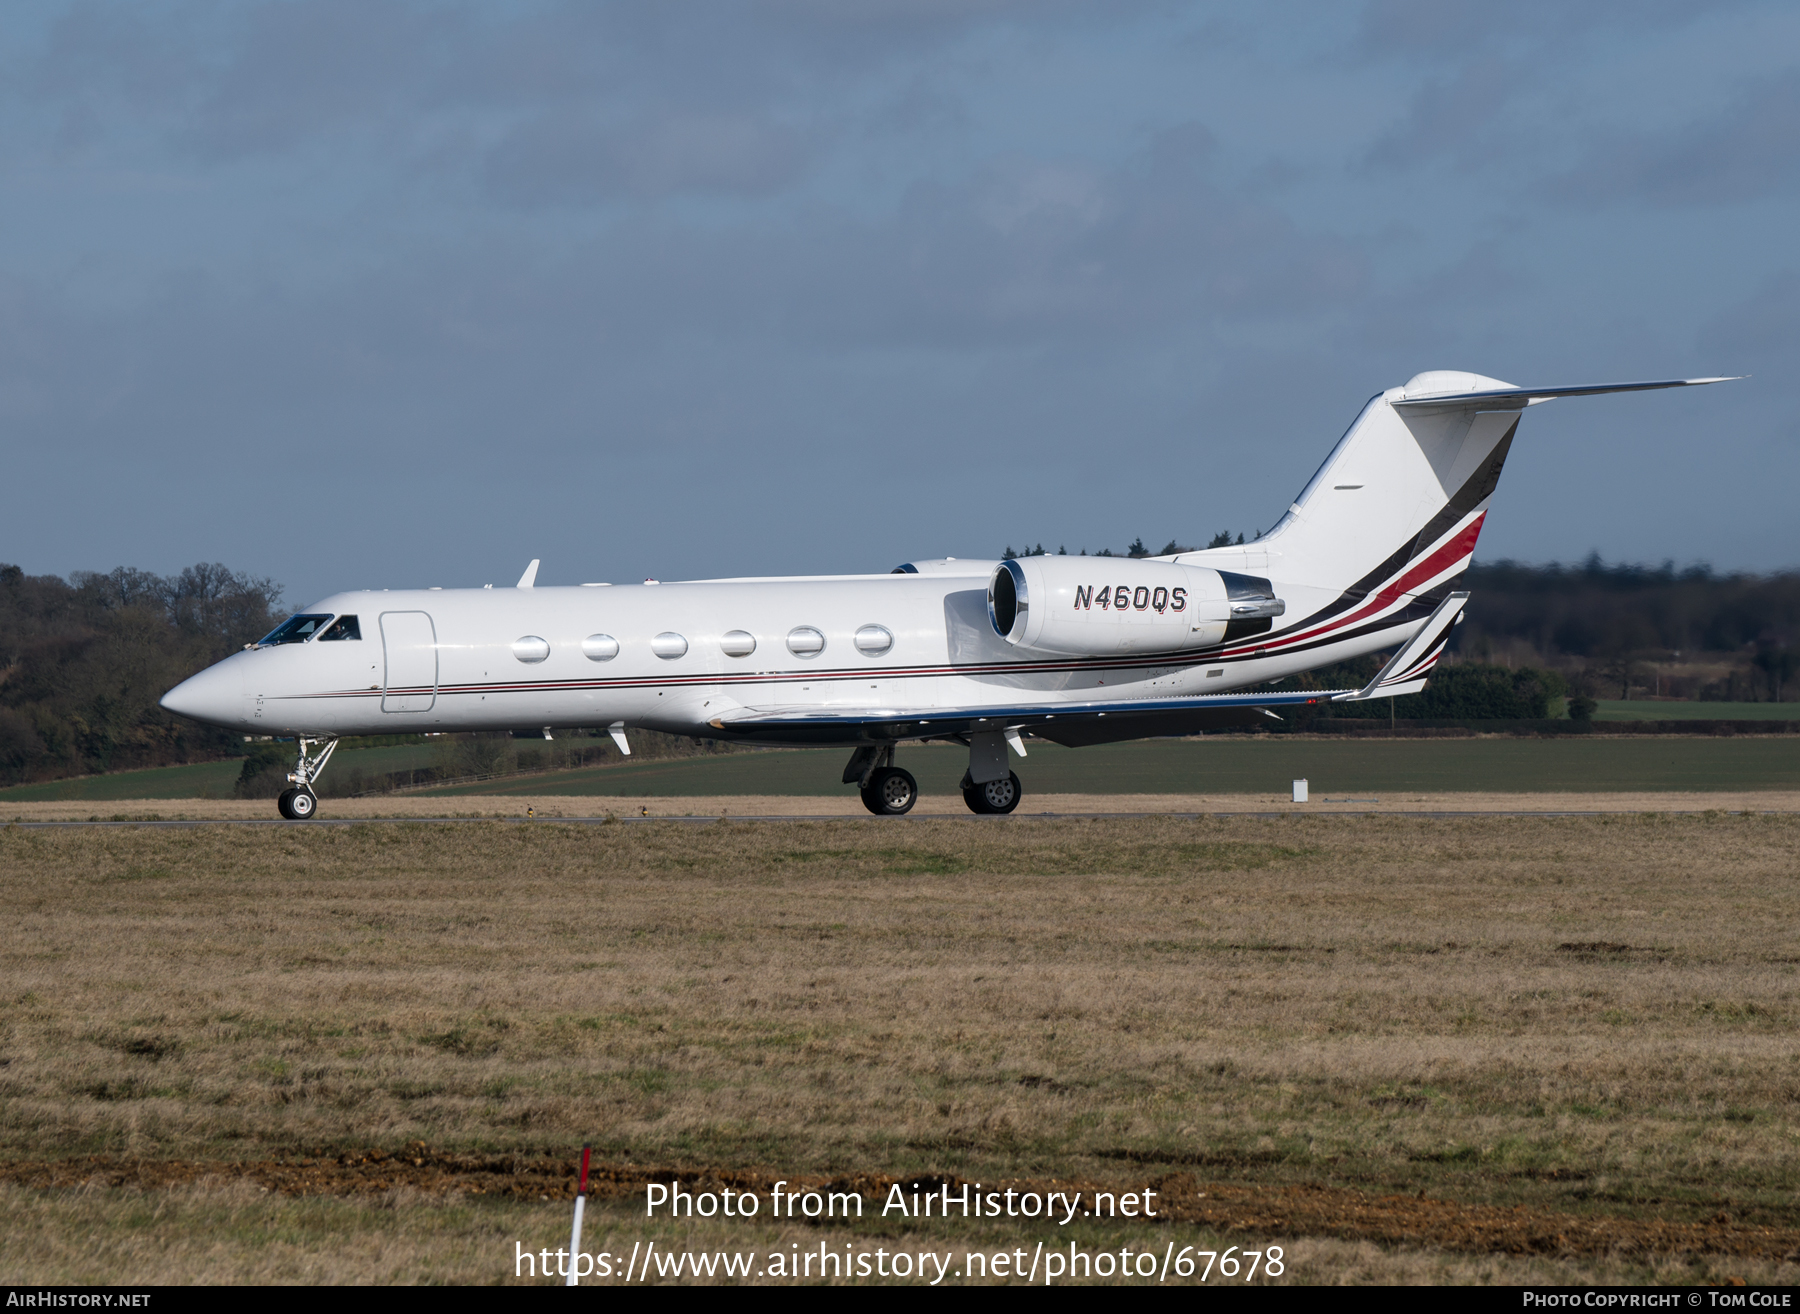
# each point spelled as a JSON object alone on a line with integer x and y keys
{"x": 996, "y": 798}
{"x": 988, "y": 786}
{"x": 887, "y": 790}
{"x": 891, "y": 792}
{"x": 300, "y": 803}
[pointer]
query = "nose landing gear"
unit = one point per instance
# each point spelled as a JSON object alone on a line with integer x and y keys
{"x": 301, "y": 803}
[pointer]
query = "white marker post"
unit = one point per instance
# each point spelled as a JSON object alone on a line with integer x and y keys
{"x": 580, "y": 1203}
{"x": 1299, "y": 791}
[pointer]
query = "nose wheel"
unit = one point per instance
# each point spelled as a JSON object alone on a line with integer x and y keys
{"x": 301, "y": 803}
{"x": 996, "y": 797}
{"x": 298, "y": 804}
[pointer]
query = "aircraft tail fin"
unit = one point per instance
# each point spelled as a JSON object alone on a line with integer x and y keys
{"x": 1399, "y": 503}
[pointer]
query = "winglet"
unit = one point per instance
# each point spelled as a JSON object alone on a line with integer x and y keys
{"x": 1405, "y": 673}
{"x": 529, "y": 578}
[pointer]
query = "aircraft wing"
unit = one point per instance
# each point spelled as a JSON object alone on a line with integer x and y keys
{"x": 1070, "y": 724}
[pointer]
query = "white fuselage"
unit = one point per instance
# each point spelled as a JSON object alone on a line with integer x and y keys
{"x": 1076, "y": 650}
{"x": 450, "y": 659}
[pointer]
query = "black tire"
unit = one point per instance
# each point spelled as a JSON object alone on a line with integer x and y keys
{"x": 972, "y": 798}
{"x": 281, "y": 804}
{"x": 303, "y": 805}
{"x": 996, "y": 798}
{"x": 891, "y": 792}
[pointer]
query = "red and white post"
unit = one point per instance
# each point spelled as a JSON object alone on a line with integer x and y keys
{"x": 580, "y": 1205}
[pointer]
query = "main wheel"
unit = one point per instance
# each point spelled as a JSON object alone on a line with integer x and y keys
{"x": 302, "y": 805}
{"x": 891, "y": 792}
{"x": 281, "y": 804}
{"x": 995, "y": 797}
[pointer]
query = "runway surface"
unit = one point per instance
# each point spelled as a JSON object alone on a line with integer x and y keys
{"x": 1294, "y": 812}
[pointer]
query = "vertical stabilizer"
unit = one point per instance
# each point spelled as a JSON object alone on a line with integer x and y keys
{"x": 1390, "y": 521}
{"x": 1402, "y": 497}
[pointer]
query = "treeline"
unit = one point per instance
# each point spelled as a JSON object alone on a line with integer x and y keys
{"x": 1603, "y": 621}
{"x": 1465, "y": 691}
{"x": 84, "y": 660}
{"x": 1617, "y": 629}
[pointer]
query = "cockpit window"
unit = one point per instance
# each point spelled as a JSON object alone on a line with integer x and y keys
{"x": 345, "y": 628}
{"x": 296, "y": 629}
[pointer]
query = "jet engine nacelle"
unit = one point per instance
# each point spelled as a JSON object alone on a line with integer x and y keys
{"x": 1100, "y": 606}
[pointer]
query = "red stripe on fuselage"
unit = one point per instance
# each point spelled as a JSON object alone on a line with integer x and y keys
{"x": 1458, "y": 548}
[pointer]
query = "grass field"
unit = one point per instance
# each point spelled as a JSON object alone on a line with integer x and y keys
{"x": 1614, "y": 709}
{"x": 1571, "y": 1037}
{"x": 1219, "y": 765}
{"x": 1230, "y": 765}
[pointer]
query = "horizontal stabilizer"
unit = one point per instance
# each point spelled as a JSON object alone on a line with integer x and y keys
{"x": 1517, "y": 399}
{"x": 1405, "y": 673}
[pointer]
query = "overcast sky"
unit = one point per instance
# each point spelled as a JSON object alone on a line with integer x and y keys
{"x": 364, "y": 293}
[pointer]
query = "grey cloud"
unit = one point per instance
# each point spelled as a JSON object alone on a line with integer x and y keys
{"x": 1483, "y": 61}
{"x": 93, "y": 50}
{"x": 1025, "y": 253}
{"x": 225, "y": 81}
{"x": 1761, "y": 331}
{"x": 1453, "y": 116}
{"x": 567, "y": 158}
{"x": 1466, "y": 28}
{"x": 1053, "y": 250}
{"x": 296, "y": 71}
{"x": 1747, "y": 152}
{"x": 1029, "y": 255}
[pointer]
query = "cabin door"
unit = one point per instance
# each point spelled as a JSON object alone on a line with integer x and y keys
{"x": 409, "y": 642}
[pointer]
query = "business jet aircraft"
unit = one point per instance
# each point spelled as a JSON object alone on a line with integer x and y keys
{"x": 1074, "y": 650}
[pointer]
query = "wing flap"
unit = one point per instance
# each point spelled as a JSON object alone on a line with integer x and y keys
{"x": 1072, "y": 723}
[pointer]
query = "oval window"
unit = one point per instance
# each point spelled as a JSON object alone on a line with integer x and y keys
{"x": 738, "y": 643}
{"x": 805, "y": 641}
{"x": 530, "y": 648}
{"x": 668, "y": 645}
{"x": 600, "y": 647}
{"x": 873, "y": 640}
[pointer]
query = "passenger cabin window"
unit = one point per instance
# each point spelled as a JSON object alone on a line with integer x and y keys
{"x": 296, "y": 629}
{"x": 346, "y": 628}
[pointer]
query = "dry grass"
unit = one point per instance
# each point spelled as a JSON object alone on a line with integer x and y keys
{"x": 1583, "y": 1015}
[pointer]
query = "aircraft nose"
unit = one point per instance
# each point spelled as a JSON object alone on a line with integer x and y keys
{"x": 215, "y": 696}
